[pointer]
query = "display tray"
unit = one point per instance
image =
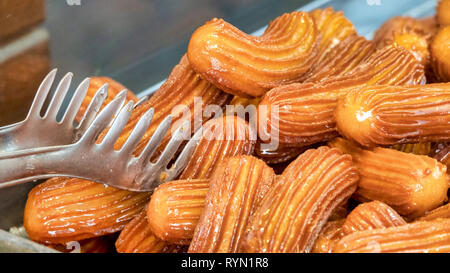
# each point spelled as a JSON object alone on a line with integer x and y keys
{"x": 367, "y": 16}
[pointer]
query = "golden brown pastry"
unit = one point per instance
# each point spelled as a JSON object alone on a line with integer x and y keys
{"x": 306, "y": 111}
{"x": 371, "y": 215}
{"x": 61, "y": 210}
{"x": 248, "y": 66}
{"x": 440, "y": 54}
{"x": 341, "y": 59}
{"x": 236, "y": 189}
{"x": 441, "y": 212}
{"x": 182, "y": 87}
{"x": 333, "y": 28}
{"x": 102, "y": 244}
{"x": 410, "y": 184}
{"x": 95, "y": 83}
{"x": 136, "y": 237}
{"x": 407, "y": 32}
{"x": 443, "y": 12}
{"x": 19, "y": 16}
{"x": 280, "y": 155}
{"x": 222, "y": 137}
{"x": 328, "y": 238}
{"x": 419, "y": 237}
{"x": 441, "y": 152}
{"x": 175, "y": 208}
{"x": 423, "y": 148}
{"x": 387, "y": 115}
{"x": 294, "y": 211}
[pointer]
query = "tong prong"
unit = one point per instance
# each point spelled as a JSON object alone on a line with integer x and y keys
{"x": 137, "y": 133}
{"x": 155, "y": 140}
{"x": 117, "y": 126}
{"x": 93, "y": 108}
{"x": 181, "y": 134}
{"x": 75, "y": 102}
{"x": 103, "y": 119}
{"x": 41, "y": 95}
{"x": 58, "y": 97}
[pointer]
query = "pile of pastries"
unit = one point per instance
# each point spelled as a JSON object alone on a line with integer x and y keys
{"x": 361, "y": 165}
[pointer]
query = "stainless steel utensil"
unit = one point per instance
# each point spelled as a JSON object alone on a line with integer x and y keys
{"x": 85, "y": 158}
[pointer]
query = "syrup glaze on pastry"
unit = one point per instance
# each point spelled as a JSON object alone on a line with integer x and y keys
{"x": 249, "y": 66}
{"x": 440, "y": 54}
{"x": 297, "y": 207}
{"x": 236, "y": 189}
{"x": 306, "y": 111}
{"x": 387, "y": 115}
{"x": 419, "y": 237}
{"x": 394, "y": 177}
{"x": 443, "y": 12}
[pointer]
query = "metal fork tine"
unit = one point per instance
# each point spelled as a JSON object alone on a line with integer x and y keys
{"x": 41, "y": 94}
{"x": 155, "y": 140}
{"x": 185, "y": 155}
{"x": 76, "y": 101}
{"x": 117, "y": 126}
{"x": 141, "y": 101}
{"x": 93, "y": 108}
{"x": 103, "y": 119}
{"x": 138, "y": 132}
{"x": 172, "y": 147}
{"x": 59, "y": 96}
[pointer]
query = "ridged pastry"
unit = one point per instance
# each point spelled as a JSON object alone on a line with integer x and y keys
{"x": 443, "y": 12}
{"x": 441, "y": 152}
{"x": 410, "y": 184}
{"x": 440, "y": 54}
{"x": 222, "y": 137}
{"x": 419, "y": 237}
{"x": 102, "y": 244}
{"x": 423, "y": 148}
{"x": 371, "y": 215}
{"x": 343, "y": 58}
{"x": 329, "y": 236}
{"x": 440, "y": 212}
{"x": 407, "y": 32}
{"x": 280, "y": 155}
{"x": 296, "y": 208}
{"x": 136, "y": 237}
{"x": 387, "y": 115}
{"x": 306, "y": 111}
{"x": 236, "y": 189}
{"x": 61, "y": 210}
{"x": 182, "y": 87}
{"x": 95, "y": 83}
{"x": 248, "y": 66}
{"x": 175, "y": 208}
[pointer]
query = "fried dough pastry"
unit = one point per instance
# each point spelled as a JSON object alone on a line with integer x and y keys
{"x": 441, "y": 212}
{"x": 61, "y": 210}
{"x": 136, "y": 237}
{"x": 95, "y": 83}
{"x": 341, "y": 59}
{"x": 182, "y": 86}
{"x": 440, "y": 54}
{"x": 222, "y": 137}
{"x": 102, "y": 244}
{"x": 443, "y": 12}
{"x": 387, "y": 115}
{"x": 424, "y": 237}
{"x": 410, "y": 184}
{"x": 407, "y": 32}
{"x": 423, "y": 148}
{"x": 441, "y": 152}
{"x": 280, "y": 155}
{"x": 175, "y": 208}
{"x": 331, "y": 234}
{"x": 333, "y": 28}
{"x": 306, "y": 111}
{"x": 236, "y": 189}
{"x": 296, "y": 208}
{"x": 371, "y": 215}
{"x": 248, "y": 66}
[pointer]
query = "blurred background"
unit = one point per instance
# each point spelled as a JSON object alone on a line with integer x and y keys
{"x": 136, "y": 42}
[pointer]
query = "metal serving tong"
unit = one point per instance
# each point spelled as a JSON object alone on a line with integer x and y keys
{"x": 41, "y": 147}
